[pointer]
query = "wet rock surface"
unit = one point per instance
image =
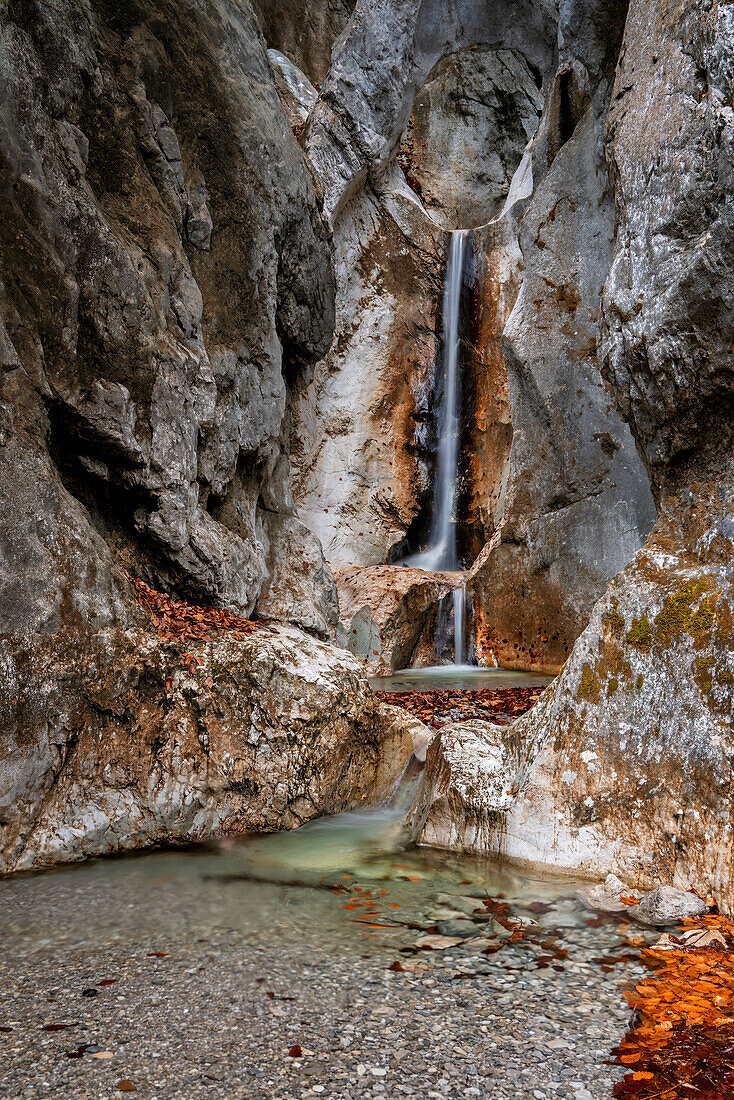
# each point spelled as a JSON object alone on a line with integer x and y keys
{"x": 388, "y": 614}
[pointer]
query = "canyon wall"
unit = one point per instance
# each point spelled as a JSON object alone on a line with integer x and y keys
{"x": 166, "y": 284}
{"x": 473, "y": 120}
{"x": 626, "y": 763}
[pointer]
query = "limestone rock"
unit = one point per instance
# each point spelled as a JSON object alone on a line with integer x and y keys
{"x": 625, "y": 758}
{"x": 574, "y": 502}
{"x": 304, "y": 30}
{"x": 258, "y": 734}
{"x": 607, "y": 895}
{"x": 374, "y": 101}
{"x": 176, "y": 269}
{"x": 359, "y": 440}
{"x": 668, "y": 313}
{"x": 468, "y": 130}
{"x": 297, "y": 93}
{"x": 668, "y": 905}
{"x": 387, "y": 614}
{"x": 300, "y": 588}
{"x": 465, "y": 786}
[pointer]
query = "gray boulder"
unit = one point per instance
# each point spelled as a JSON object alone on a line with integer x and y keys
{"x": 668, "y": 905}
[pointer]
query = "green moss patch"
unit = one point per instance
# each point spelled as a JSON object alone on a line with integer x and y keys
{"x": 639, "y": 635}
{"x": 702, "y": 672}
{"x": 678, "y": 617}
{"x": 615, "y": 622}
{"x": 589, "y": 687}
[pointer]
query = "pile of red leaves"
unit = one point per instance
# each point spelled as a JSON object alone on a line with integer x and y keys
{"x": 436, "y": 708}
{"x": 682, "y": 1040}
{"x": 178, "y": 621}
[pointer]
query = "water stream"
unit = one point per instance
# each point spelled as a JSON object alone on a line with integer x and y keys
{"x": 442, "y": 552}
{"x": 346, "y": 884}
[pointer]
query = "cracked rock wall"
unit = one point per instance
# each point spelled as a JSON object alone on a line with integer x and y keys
{"x": 166, "y": 276}
{"x": 166, "y": 282}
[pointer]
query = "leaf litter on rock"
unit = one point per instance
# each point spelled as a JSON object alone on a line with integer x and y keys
{"x": 179, "y": 621}
{"x": 439, "y": 707}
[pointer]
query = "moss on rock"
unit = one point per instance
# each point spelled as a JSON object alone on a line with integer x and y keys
{"x": 639, "y": 635}
{"x": 589, "y": 686}
{"x": 678, "y": 617}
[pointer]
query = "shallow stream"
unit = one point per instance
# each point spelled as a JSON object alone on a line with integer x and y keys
{"x": 397, "y": 970}
{"x": 349, "y": 883}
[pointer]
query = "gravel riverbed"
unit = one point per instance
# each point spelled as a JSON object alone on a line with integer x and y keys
{"x": 201, "y": 1021}
{"x": 179, "y": 976}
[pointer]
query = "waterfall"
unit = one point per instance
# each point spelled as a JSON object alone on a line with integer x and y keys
{"x": 442, "y": 551}
{"x": 459, "y": 598}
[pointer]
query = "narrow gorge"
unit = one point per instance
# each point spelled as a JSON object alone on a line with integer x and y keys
{"x": 366, "y": 423}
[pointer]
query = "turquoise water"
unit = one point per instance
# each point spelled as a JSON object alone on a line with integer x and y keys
{"x": 457, "y": 677}
{"x": 349, "y": 883}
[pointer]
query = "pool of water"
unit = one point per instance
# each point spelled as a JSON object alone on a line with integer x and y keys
{"x": 457, "y": 677}
{"x": 351, "y": 883}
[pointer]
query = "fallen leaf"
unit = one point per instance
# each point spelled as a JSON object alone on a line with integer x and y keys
{"x": 125, "y": 1086}
{"x": 295, "y": 1051}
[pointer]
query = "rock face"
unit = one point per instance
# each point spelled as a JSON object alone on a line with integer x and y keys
{"x": 304, "y": 30}
{"x": 625, "y": 764}
{"x": 263, "y": 733}
{"x": 165, "y": 269}
{"x": 550, "y": 478}
{"x": 575, "y": 501}
{"x": 165, "y": 281}
{"x": 468, "y": 129}
{"x": 360, "y": 440}
{"x": 388, "y": 614}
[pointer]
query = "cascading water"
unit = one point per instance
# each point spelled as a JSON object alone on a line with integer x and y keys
{"x": 459, "y": 597}
{"x": 442, "y": 553}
